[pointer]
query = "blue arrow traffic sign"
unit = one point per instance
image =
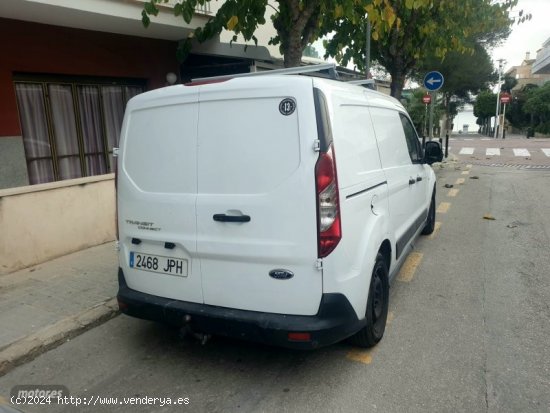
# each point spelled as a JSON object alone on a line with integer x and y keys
{"x": 433, "y": 81}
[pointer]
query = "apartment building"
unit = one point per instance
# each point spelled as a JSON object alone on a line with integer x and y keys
{"x": 69, "y": 67}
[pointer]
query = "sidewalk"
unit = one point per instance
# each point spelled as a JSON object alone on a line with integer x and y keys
{"x": 44, "y": 305}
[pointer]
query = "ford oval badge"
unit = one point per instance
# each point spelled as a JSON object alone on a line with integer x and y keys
{"x": 281, "y": 274}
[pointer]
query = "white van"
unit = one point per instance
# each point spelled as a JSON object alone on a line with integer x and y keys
{"x": 271, "y": 208}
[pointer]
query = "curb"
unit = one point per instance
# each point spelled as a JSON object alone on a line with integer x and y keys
{"x": 28, "y": 348}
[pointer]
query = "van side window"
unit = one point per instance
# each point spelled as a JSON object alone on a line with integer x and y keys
{"x": 413, "y": 144}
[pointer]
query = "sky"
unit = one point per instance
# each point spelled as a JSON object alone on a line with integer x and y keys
{"x": 525, "y": 37}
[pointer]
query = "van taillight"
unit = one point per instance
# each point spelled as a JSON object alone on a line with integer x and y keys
{"x": 329, "y": 229}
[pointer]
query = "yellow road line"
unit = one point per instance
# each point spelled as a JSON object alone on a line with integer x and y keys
{"x": 452, "y": 192}
{"x": 3, "y": 401}
{"x": 391, "y": 316}
{"x": 436, "y": 230}
{"x": 443, "y": 207}
{"x": 459, "y": 181}
{"x": 409, "y": 267}
{"x": 362, "y": 356}
{"x": 465, "y": 172}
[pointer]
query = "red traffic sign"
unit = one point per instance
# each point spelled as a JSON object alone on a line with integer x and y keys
{"x": 505, "y": 98}
{"x": 426, "y": 99}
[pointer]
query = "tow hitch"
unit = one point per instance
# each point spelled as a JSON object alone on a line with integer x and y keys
{"x": 187, "y": 331}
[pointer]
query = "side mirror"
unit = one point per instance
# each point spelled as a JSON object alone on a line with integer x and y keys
{"x": 432, "y": 152}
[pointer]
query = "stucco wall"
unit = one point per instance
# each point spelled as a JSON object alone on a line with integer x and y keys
{"x": 41, "y": 222}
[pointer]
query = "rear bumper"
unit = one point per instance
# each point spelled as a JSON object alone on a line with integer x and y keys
{"x": 335, "y": 320}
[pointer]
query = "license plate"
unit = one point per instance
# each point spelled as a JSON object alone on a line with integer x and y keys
{"x": 158, "y": 263}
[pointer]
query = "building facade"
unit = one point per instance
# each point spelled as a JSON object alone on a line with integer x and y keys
{"x": 68, "y": 70}
{"x": 525, "y": 74}
{"x": 542, "y": 62}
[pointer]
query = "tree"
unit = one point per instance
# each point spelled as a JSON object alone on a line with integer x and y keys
{"x": 406, "y": 31}
{"x": 465, "y": 75}
{"x": 418, "y": 111}
{"x": 508, "y": 84}
{"x": 515, "y": 114}
{"x": 297, "y": 22}
{"x": 485, "y": 108}
{"x": 538, "y": 105}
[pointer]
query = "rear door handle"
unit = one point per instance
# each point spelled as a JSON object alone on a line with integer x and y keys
{"x": 231, "y": 218}
{"x": 411, "y": 181}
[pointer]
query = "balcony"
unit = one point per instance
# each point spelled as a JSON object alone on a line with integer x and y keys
{"x": 112, "y": 16}
{"x": 542, "y": 64}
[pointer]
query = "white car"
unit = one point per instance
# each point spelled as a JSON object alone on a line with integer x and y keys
{"x": 272, "y": 208}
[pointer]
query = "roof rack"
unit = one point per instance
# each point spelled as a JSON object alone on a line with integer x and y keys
{"x": 366, "y": 83}
{"x": 361, "y": 82}
{"x": 330, "y": 67}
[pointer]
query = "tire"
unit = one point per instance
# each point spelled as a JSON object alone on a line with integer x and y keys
{"x": 377, "y": 307}
{"x": 430, "y": 223}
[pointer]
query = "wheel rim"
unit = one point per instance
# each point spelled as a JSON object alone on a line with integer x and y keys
{"x": 378, "y": 296}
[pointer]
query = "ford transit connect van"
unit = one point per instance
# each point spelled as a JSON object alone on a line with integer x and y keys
{"x": 272, "y": 208}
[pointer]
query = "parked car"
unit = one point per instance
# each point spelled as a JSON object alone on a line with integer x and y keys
{"x": 270, "y": 208}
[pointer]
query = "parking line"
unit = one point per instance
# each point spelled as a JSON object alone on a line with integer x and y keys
{"x": 466, "y": 151}
{"x": 459, "y": 181}
{"x": 465, "y": 172}
{"x": 409, "y": 267}
{"x": 443, "y": 207}
{"x": 436, "y": 230}
{"x": 360, "y": 355}
{"x": 391, "y": 317}
{"x": 452, "y": 192}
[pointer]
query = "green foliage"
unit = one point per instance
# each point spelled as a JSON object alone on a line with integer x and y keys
{"x": 407, "y": 31}
{"x": 465, "y": 74}
{"x": 241, "y": 17}
{"x": 538, "y": 106}
{"x": 297, "y": 22}
{"x": 515, "y": 113}
{"x": 538, "y": 102}
{"x": 418, "y": 111}
{"x": 485, "y": 104}
{"x": 509, "y": 83}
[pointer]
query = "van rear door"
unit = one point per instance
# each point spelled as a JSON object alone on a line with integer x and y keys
{"x": 256, "y": 211}
{"x": 157, "y": 190}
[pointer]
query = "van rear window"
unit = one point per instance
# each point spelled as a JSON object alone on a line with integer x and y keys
{"x": 246, "y": 145}
{"x": 160, "y": 148}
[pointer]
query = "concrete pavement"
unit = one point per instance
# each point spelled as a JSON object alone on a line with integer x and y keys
{"x": 45, "y": 305}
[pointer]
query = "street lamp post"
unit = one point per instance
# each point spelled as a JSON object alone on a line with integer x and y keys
{"x": 367, "y": 48}
{"x": 500, "y": 68}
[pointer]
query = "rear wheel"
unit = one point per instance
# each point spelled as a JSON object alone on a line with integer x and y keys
{"x": 430, "y": 223}
{"x": 377, "y": 307}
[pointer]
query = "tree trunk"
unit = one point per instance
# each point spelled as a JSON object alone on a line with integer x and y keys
{"x": 296, "y": 36}
{"x": 293, "y": 52}
{"x": 397, "y": 83}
